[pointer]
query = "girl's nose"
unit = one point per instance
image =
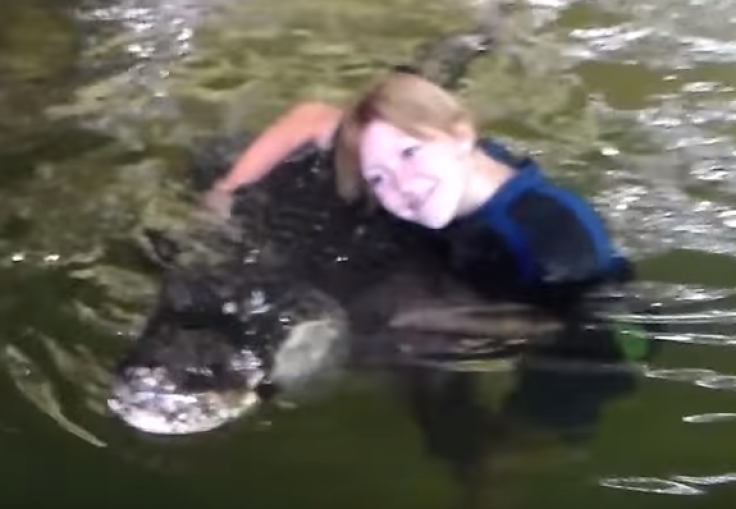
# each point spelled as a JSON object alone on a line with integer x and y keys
{"x": 416, "y": 189}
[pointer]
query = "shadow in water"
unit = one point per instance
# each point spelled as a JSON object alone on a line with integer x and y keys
{"x": 559, "y": 386}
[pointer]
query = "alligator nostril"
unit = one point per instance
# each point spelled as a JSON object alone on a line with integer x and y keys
{"x": 266, "y": 390}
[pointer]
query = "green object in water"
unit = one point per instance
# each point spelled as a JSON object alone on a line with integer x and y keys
{"x": 633, "y": 340}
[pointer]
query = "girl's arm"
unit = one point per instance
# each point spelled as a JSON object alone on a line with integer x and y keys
{"x": 311, "y": 122}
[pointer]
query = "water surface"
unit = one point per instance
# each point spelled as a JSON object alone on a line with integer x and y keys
{"x": 632, "y": 103}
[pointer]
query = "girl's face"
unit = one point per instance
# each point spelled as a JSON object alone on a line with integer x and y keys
{"x": 418, "y": 180}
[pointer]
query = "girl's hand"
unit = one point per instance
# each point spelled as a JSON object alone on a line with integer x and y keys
{"x": 219, "y": 201}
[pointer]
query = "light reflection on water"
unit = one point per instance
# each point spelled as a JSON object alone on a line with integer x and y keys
{"x": 686, "y": 118}
{"x": 709, "y": 418}
{"x": 676, "y": 485}
{"x": 651, "y": 485}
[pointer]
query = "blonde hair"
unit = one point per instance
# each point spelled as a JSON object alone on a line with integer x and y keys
{"x": 402, "y": 99}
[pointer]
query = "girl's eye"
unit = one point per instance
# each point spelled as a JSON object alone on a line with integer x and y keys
{"x": 375, "y": 180}
{"x": 409, "y": 151}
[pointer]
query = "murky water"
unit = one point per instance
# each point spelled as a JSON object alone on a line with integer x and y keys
{"x": 632, "y": 102}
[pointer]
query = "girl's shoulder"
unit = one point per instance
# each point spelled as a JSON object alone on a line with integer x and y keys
{"x": 505, "y": 154}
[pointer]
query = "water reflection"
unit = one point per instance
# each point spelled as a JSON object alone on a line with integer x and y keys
{"x": 38, "y": 48}
{"x": 708, "y": 418}
{"x": 651, "y": 485}
{"x": 676, "y": 485}
{"x": 705, "y": 378}
{"x": 683, "y": 111}
{"x": 36, "y": 386}
{"x": 706, "y": 480}
{"x": 131, "y": 48}
{"x": 555, "y": 396}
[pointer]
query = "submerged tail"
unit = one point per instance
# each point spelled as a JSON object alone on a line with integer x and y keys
{"x": 445, "y": 61}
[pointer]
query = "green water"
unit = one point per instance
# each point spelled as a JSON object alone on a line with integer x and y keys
{"x": 632, "y": 103}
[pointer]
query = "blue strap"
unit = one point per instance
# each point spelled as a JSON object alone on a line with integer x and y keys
{"x": 493, "y": 213}
{"x": 530, "y": 174}
{"x": 498, "y": 152}
{"x": 517, "y": 244}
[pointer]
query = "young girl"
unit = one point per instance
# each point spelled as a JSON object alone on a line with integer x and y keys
{"x": 411, "y": 146}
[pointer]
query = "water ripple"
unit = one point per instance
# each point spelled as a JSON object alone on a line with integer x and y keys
{"x": 672, "y": 34}
{"x": 150, "y": 38}
{"x": 650, "y": 485}
{"x": 687, "y": 119}
{"x": 680, "y": 374}
{"x": 709, "y": 418}
{"x": 674, "y": 485}
{"x": 706, "y": 378}
{"x": 33, "y": 382}
{"x": 706, "y": 480}
{"x": 698, "y": 339}
{"x": 706, "y": 317}
{"x": 659, "y": 217}
{"x": 718, "y": 382}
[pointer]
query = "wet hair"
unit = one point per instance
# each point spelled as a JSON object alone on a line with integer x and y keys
{"x": 402, "y": 98}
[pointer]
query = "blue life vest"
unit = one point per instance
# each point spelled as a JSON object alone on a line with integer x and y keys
{"x": 551, "y": 235}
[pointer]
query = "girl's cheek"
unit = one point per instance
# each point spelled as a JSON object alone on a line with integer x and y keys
{"x": 430, "y": 162}
{"x": 393, "y": 202}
